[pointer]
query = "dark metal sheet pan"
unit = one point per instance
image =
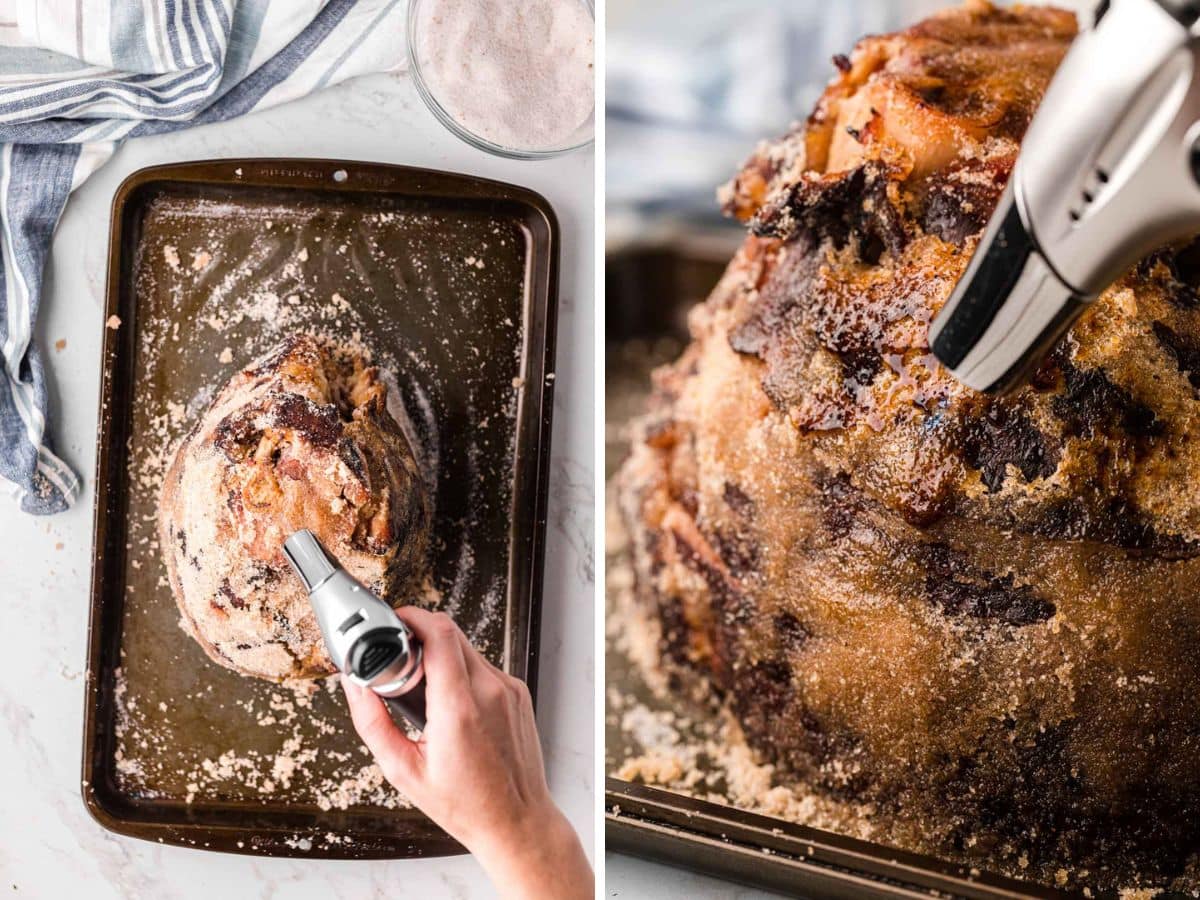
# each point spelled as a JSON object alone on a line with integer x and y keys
{"x": 777, "y": 855}
{"x": 451, "y": 281}
{"x": 649, "y": 290}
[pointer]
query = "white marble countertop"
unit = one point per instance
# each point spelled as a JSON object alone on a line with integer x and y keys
{"x": 640, "y": 879}
{"x": 49, "y": 846}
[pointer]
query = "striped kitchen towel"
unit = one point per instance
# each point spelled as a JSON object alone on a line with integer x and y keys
{"x": 79, "y": 76}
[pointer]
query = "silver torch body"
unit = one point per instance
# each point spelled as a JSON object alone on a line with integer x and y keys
{"x": 364, "y": 637}
{"x": 1109, "y": 170}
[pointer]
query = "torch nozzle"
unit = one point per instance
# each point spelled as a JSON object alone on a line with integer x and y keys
{"x": 308, "y": 558}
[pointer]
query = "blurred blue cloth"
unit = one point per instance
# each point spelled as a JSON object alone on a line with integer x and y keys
{"x": 693, "y": 86}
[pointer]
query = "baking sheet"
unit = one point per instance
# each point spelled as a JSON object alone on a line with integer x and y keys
{"x": 448, "y": 283}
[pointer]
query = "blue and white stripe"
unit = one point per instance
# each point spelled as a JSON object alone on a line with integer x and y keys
{"x": 79, "y": 76}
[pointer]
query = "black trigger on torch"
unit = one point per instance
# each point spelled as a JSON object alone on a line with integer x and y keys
{"x": 985, "y": 287}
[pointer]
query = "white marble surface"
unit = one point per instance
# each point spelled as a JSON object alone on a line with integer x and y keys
{"x": 49, "y": 846}
{"x": 632, "y": 878}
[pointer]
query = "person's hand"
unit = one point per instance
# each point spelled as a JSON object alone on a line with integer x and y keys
{"x": 477, "y": 769}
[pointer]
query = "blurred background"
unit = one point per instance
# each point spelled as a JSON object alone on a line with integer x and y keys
{"x": 693, "y": 85}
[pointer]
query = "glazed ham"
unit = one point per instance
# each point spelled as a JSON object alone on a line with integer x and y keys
{"x": 301, "y": 438}
{"x": 982, "y": 615}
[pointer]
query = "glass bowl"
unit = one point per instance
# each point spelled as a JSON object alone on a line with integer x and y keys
{"x": 452, "y": 124}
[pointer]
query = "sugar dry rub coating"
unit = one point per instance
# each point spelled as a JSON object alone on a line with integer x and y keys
{"x": 981, "y": 614}
{"x": 300, "y": 438}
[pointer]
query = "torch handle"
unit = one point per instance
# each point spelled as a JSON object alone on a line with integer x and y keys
{"x": 411, "y": 705}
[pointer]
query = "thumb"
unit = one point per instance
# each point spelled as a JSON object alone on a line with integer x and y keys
{"x": 398, "y": 757}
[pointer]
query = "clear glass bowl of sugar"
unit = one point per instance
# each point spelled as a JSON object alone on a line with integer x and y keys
{"x": 511, "y": 77}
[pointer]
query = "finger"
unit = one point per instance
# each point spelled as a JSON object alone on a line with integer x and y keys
{"x": 492, "y": 667}
{"x": 445, "y": 667}
{"x": 526, "y": 727}
{"x": 398, "y": 757}
{"x": 477, "y": 664}
{"x": 500, "y": 686}
{"x": 422, "y": 619}
{"x": 522, "y": 698}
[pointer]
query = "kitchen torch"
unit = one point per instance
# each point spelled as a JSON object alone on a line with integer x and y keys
{"x": 365, "y": 638}
{"x": 1108, "y": 171}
